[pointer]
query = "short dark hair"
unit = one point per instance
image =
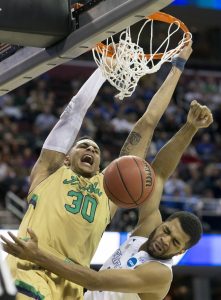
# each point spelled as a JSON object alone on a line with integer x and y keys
{"x": 190, "y": 224}
{"x": 85, "y": 137}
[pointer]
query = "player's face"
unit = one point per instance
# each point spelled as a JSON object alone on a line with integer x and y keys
{"x": 84, "y": 158}
{"x": 167, "y": 240}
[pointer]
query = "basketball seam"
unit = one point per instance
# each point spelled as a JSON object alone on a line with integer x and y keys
{"x": 114, "y": 195}
{"x": 125, "y": 184}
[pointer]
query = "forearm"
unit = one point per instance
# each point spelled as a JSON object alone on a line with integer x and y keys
{"x": 181, "y": 140}
{"x": 169, "y": 156}
{"x": 80, "y": 275}
{"x": 140, "y": 137}
{"x": 161, "y": 99}
{"x": 106, "y": 280}
{"x": 121, "y": 280}
{"x": 63, "y": 135}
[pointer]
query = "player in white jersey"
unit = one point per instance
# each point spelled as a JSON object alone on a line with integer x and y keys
{"x": 141, "y": 268}
{"x": 129, "y": 257}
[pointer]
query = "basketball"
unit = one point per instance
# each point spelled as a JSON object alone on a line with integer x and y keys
{"x": 129, "y": 181}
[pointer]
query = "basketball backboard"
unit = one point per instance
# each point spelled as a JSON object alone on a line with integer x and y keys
{"x": 94, "y": 25}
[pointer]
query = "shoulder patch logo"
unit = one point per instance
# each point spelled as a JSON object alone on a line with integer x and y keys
{"x": 131, "y": 262}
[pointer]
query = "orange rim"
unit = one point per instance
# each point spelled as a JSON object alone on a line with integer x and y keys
{"x": 77, "y": 6}
{"x": 158, "y": 16}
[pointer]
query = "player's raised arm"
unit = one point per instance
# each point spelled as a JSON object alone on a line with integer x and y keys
{"x": 140, "y": 137}
{"x": 169, "y": 156}
{"x": 63, "y": 135}
{"x": 153, "y": 278}
{"x": 166, "y": 162}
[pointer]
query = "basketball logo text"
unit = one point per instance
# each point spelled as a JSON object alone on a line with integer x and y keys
{"x": 148, "y": 180}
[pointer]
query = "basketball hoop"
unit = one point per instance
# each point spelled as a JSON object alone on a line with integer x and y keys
{"x": 125, "y": 62}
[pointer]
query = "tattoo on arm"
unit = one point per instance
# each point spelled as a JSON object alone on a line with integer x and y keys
{"x": 132, "y": 140}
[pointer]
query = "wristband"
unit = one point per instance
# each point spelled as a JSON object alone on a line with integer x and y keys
{"x": 179, "y": 63}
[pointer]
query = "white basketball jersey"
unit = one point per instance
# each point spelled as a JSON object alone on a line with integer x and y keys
{"x": 127, "y": 256}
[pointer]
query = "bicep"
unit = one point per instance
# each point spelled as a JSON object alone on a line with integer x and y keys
{"x": 162, "y": 164}
{"x": 149, "y": 216}
{"x": 147, "y": 278}
{"x": 147, "y": 222}
{"x": 169, "y": 156}
{"x": 113, "y": 207}
{"x": 48, "y": 162}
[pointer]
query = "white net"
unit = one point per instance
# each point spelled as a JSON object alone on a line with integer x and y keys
{"x": 129, "y": 63}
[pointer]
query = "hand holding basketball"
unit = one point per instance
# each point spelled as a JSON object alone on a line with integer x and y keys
{"x": 129, "y": 181}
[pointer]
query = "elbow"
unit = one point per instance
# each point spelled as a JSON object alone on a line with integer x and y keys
{"x": 92, "y": 288}
{"x": 94, "y": 284}
{"x": 100, "y": 282}
{"x": 148, "y": 121}
{"x": 152, "y": 120}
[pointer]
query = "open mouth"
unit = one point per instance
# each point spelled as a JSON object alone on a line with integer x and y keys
{"x": 158, "y": 247}
{"x": 88, "y": 159}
